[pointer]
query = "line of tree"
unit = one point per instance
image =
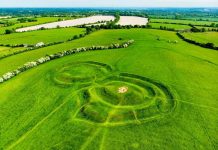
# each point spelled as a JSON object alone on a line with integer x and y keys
{"x": 31, "y": 47}
{"x": 205, "y": 45}
{"x": 195, "y": 29}
{"x": 113, "y": 26}
{"x": 166, "y": 28}
{"x": 23, "y": 20}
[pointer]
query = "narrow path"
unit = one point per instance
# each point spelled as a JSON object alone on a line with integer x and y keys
{"x": 38, "y": 124}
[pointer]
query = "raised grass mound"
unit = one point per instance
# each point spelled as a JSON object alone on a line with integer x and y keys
{"x": 109, "y": 98}
{"x": 80, "y": 72}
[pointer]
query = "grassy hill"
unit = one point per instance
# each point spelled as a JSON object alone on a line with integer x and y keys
{"x": 193, "y": 22}
{"x": 74, "y": 102}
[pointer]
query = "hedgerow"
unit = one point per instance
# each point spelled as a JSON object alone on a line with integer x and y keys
{"x": 47, "y": 58}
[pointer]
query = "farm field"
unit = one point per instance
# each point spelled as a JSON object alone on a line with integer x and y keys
{"x": 45, "y": 36}
{"x": 9, "y": 50}
{"x": 39, "y": 21}
{"x": 150, "y": 95}
{"x": 207, "y": 37}
{"x": 201, "y": 23}
{"x": 170, "y": 26}
{"x": 207, "y": 28}
{"x": 132, "y": 20}
{"x": 70, "y": 23}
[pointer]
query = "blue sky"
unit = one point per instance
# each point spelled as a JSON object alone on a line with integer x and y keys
{"x": 108, "y": 3}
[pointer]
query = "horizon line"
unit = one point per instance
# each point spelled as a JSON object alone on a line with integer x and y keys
{"x": 118, "y": 7}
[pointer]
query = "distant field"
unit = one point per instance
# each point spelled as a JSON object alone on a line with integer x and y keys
{"x": 9, "y": 50}
{"x": 75, "y": 102}
{"x": 46, "y": 36}
{"x": 132, "y": 20}
{"x": 171, "y": 26}
{"x": 205, "y": 37}
{"x": 12, "y": 20}
{"x": 39, "y": 21}
{"x": 191, "y": 18}
{"x": 183, "y": 21}
{"x": 207, "y": 28}
{"x": 70, "y": 23}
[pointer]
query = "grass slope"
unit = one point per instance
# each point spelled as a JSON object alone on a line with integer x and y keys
{"x": 45, "y": 114}
{"x": 9, "y": 50}
{"x": 202, "y": 23}
{"x": 46, "y": 36}
{"x": 171, "y": 26}
{"x": 205, "y": 37}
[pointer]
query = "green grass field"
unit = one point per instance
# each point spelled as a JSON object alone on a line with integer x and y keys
{"x": 9, "y": 50}
{"x": 168, "y": 97}
{"x": 46, "y": 36}
{"x": 205, "y": 37}
{"x": 40, "y": 20}
{"x": 202, "y": 23}
{"x": 171, "y": 26}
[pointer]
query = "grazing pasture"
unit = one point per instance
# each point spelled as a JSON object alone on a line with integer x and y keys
{"x": 205, "y": 37}
{"x": 170, "y": 26}
{"x": 9, "y": 50}
{"x": 201, "y": 23}
{"x": 40, "y": 20}
{"x": 168, "y": 99}
{"x": 45, "y": 36}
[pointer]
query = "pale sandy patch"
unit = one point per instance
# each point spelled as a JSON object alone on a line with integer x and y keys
{"x": 132, "y": 20}
{"x": 122, "y": 89}
{"x": 69, "y": 23}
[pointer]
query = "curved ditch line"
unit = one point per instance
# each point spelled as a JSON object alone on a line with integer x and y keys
{"x": 99, "y": 69}
{"x": 128, "y": 107}
{"x": 89, "y": 140}
{"x": 110, "y": 121}
{"x": 94, "y": 111}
